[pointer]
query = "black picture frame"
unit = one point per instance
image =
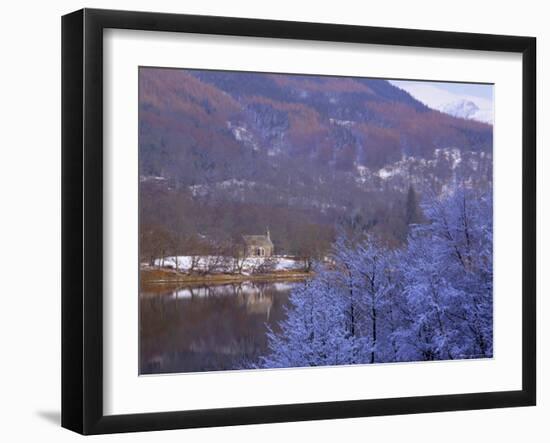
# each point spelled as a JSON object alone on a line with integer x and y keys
{"x": 82, "y": 218}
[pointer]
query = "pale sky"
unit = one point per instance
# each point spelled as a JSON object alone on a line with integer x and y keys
{"x": 438, "y": 95}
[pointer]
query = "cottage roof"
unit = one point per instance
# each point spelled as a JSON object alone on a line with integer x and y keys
{"x": 257, "y": 240}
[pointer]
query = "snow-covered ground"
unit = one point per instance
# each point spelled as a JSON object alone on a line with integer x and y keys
{"x": 221, "y": 264}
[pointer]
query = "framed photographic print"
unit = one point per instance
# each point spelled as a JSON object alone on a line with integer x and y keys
{"x": 270, "y": 221}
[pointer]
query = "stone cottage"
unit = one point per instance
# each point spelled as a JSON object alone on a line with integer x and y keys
{"x": 258, "y": 245}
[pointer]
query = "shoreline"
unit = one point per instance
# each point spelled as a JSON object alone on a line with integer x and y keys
{"x": 171, "y": 277}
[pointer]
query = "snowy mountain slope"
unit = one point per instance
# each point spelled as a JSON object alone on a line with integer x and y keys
{"x": 467, "y": 109}
{"x": 227, "y": 153}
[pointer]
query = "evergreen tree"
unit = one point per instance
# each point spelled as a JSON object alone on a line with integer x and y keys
{"x": 411, "y": 207}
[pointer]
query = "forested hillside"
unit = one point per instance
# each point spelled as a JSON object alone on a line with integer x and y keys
{"x": 224, "y": 154}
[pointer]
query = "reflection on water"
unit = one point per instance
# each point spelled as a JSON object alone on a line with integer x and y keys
{"x": 196, "y": 328}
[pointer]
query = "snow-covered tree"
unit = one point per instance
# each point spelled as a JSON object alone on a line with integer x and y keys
{"x": 313, "y": 333}
{"x": 448, "y": 277}
{"x": 431, "y": 300}
{"x": 371, "y": 270}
